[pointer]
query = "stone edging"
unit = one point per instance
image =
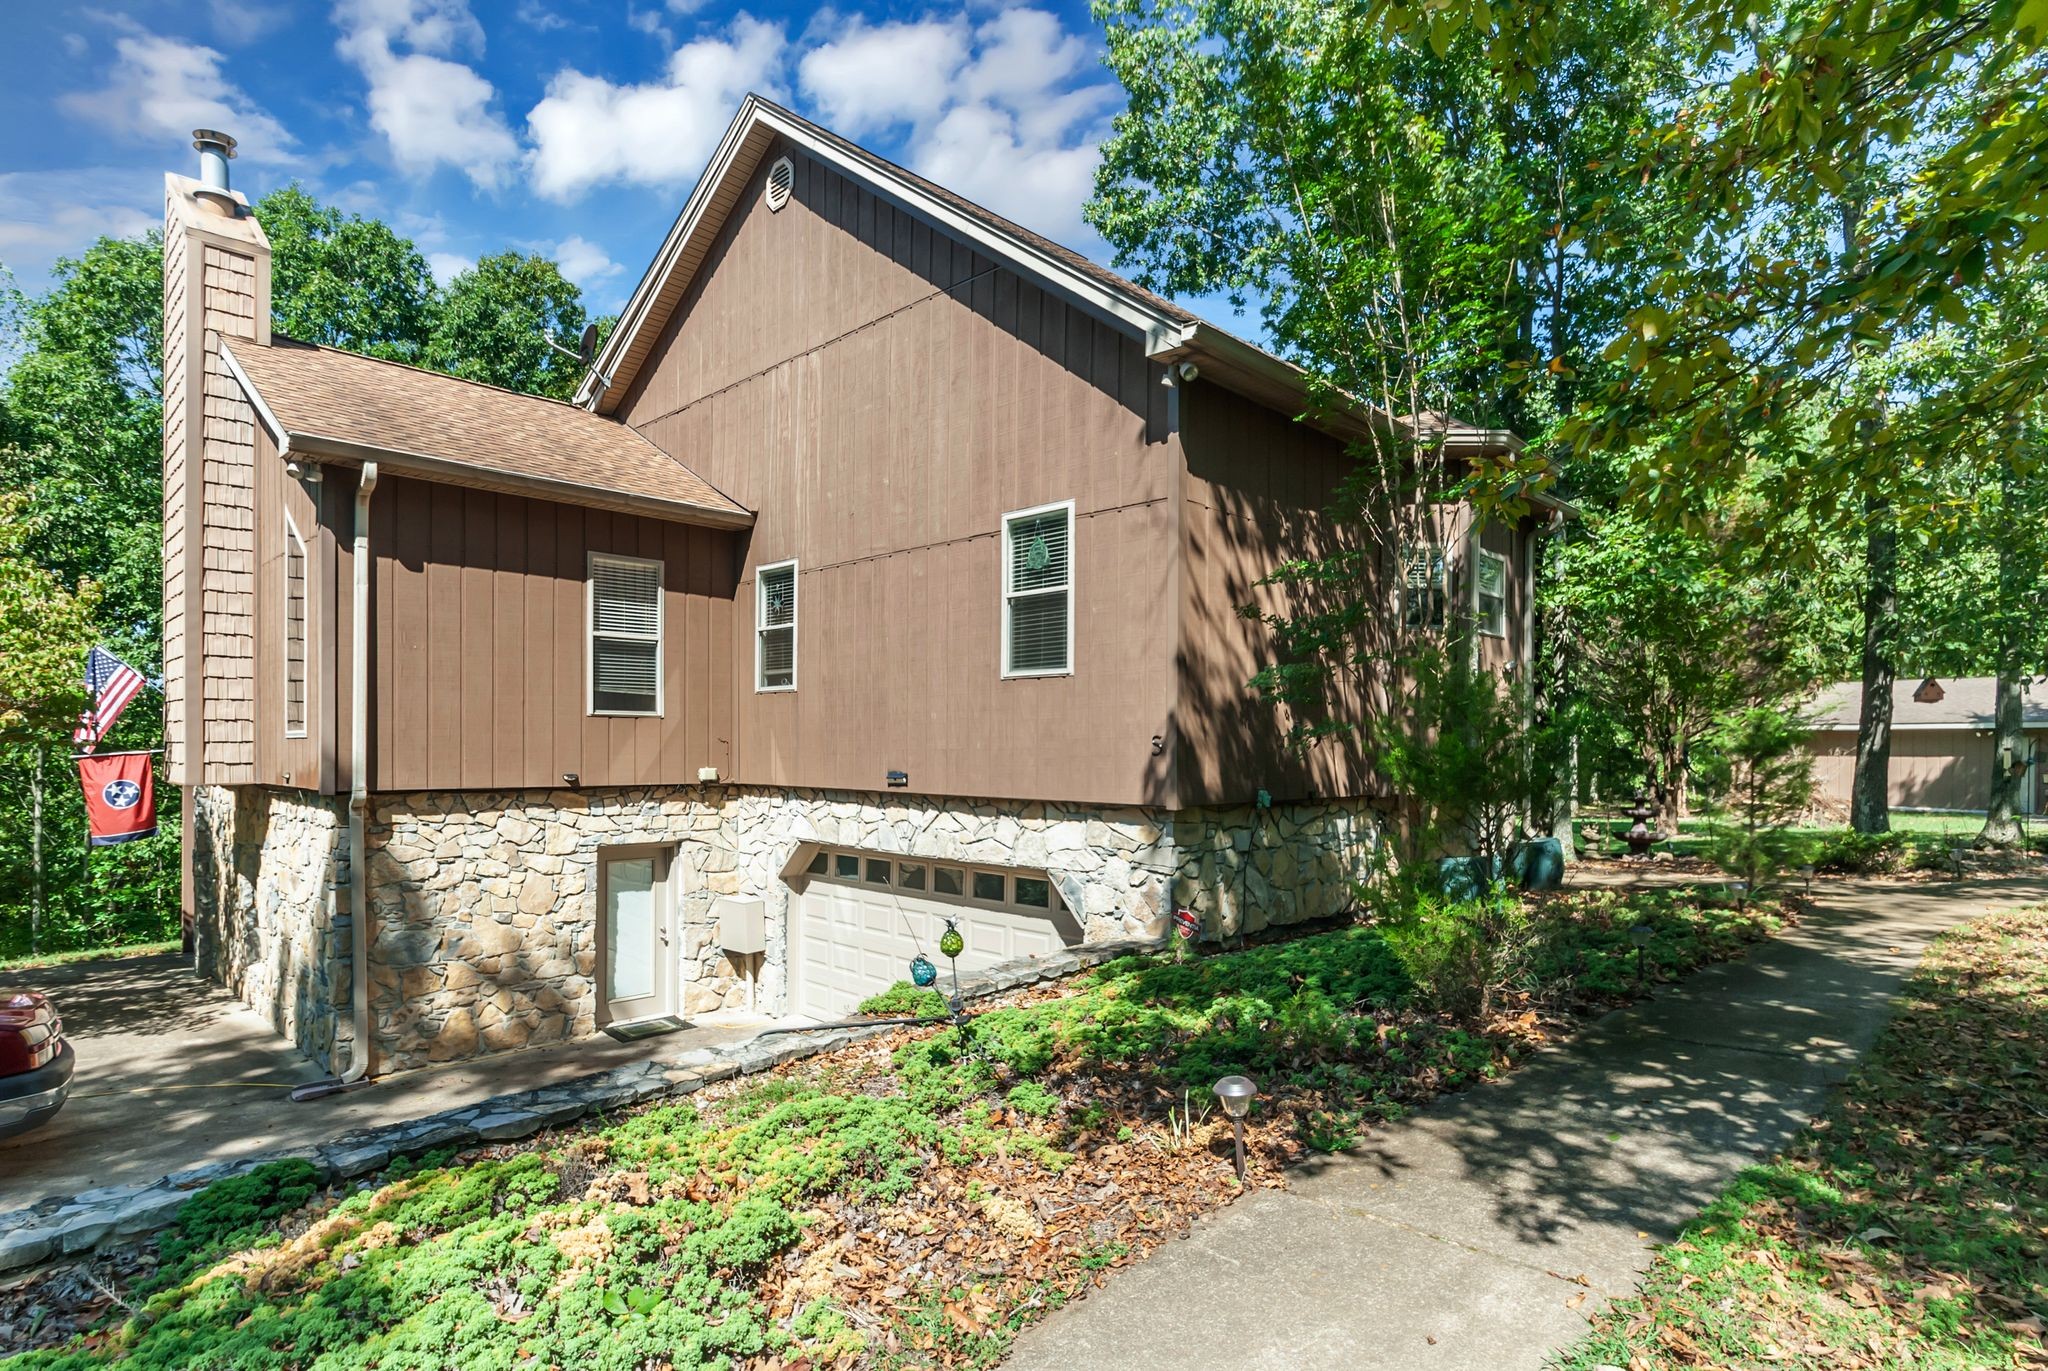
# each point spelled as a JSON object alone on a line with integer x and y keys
{"x": 71, "y": 1226}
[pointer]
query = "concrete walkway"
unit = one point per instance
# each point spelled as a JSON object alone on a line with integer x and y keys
{"x": 174, "y": 1073}
{"x": 1483, "y": 1232}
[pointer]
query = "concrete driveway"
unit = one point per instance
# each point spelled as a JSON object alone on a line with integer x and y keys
{"x": 173, "y": 1073}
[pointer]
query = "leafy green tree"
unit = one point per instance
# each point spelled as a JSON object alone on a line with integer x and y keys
{"x": 45, "y": 631}
{"x": 1758, "y": 776}
{"x": 344, "y": 280}
{"x": 83, "y": 425}
{"x": 1671, "y": 631}
{"x": 493, "y": 321}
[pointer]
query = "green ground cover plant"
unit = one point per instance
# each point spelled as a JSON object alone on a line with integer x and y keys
{"x": 1909, "y": 1226}
{"x": 889, "y": 1204}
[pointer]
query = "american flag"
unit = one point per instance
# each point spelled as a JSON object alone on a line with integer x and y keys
{"x": 112, "y": 683}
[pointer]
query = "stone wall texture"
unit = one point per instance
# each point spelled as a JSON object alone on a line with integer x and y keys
{"x": 272, "y": 924}
{"x": 484, "y": 906}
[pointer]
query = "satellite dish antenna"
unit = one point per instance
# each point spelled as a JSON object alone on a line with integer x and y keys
{"x": 586, "y": 346}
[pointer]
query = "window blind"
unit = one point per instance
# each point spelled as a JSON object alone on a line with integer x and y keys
{"x": 1038, "y": 564}
{"x": 775, "y": 627}
{"x": 625, "y": 636}
{"x": 1422, "y": 587}
{"x": 1493, "y": 594}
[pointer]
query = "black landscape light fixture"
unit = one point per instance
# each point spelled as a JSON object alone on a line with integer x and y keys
{"x": 1640, "y": 935}
{"x": 1740, "y": 890}
{"x": 1236, "y": 1094}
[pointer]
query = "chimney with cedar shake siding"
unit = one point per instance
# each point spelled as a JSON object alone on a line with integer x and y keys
{"x": 216, "y": 284}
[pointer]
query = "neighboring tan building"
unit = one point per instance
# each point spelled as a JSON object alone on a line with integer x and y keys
{"x": 886, "y": 571}
{"x": 1942, "y": 753}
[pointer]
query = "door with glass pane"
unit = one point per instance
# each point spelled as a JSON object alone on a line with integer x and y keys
{"x": 633, "y": 935}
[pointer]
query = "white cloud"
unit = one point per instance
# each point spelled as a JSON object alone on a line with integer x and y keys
{"x": 52, "y": 214}
{"x": 432, "y": 110}
{"x": 446, "y": 266}
{"x": 161, "y": 89}
{"x": 875, "y": 76}
{"x": 589, "y": 131}
{"x": 535, "y": 15}
{"x": 1007, "y": 110}
{"x": 1005, "y": 114}
{"x": 239, "y": 22}
{"x": 584, "y": 262}
{"x": 978, "y": 151}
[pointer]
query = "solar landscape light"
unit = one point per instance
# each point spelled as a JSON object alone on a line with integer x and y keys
{"x": 1740, "y": 890}
{"x": 1236, "y": 1093}
{"x": 1807, "y": 872}
{"x": 1640, "y": 935}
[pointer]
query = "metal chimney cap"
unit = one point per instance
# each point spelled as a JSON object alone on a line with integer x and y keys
{"x": 212, "y": 139}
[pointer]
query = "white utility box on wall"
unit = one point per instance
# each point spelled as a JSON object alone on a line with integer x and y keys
{"x": 742, "y": 924}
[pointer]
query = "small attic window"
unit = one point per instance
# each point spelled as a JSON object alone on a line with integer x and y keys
{"x": 781, "y": 177}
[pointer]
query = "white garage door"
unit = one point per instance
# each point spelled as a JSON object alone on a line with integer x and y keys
{"x": 860, "y": 917}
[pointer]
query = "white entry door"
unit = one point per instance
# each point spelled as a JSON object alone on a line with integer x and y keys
{"x": 861, "y": 916}
{"x": 634, "y": 940}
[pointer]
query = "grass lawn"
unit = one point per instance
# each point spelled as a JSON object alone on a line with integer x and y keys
{"x": 911, "y": 1200}
{"x": 91, "y": 954}
{"x": 1916, "y": 841}
{"x": 1909, "y": 1226}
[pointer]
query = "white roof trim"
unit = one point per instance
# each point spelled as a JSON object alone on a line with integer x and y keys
{"x": 1161, "y": 332}
{"x": 275, "y": 429}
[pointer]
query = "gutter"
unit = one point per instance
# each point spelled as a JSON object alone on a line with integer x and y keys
{"x": 359, "y": 782}
{"x": 358, "y": 1073}
{"x": 314, "y": 447}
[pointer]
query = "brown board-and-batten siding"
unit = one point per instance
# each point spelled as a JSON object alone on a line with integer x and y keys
{"x": 882, "y": 395}
{"x": 481, "y": 642}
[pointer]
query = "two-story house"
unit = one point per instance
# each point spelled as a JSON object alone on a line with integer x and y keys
{"x": 886, "y": 572}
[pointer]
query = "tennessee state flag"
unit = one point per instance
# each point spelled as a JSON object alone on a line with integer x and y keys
{"x": 120, "y": 796}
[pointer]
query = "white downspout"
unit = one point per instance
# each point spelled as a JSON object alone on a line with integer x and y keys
{"x": 359, "y": 781}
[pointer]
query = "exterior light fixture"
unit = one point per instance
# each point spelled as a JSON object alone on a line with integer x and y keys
{"x": 1236, "y": 1093}
{"x": 1807, "y": 872}
{"x": 1740, "y": 890}
{"x": 1929, "y": 692}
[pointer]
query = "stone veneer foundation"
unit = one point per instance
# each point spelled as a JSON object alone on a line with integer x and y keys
{"x": 483, "y": 908}
{"x": 269, "y": 876}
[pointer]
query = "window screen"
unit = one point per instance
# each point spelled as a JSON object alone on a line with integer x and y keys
{"x": 1422, "y": 587}
{"x": 294, "y": 632}
{"x": 775, "y": 627}
{"x": 1493, "y": 594}
{"x": 1038, "y": 592}
{"x": 625, "y": 636}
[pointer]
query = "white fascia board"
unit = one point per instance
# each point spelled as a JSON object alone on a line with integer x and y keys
{"x": 271, "y": 426}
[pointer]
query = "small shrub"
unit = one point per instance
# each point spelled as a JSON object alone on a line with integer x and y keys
{"x": 904, "y": 1000}
{"x": 1033, "y": 1099}
{"x": 1458, "y": 952}
{"x": 1849, "y": 853}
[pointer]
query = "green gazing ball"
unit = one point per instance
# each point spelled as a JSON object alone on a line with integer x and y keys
{"x": 952, "y": 944}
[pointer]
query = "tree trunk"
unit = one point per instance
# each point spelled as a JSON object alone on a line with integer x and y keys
{"x": 35, "y": 847}
{"x": 1566, "y": 810}
{"x": 2008, "y": 765}
{"x": 1870, "y": 792}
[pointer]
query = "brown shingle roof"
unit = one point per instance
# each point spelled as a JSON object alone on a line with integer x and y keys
{"x": 1966, "y": 702}
{"x": 329, "y": 401}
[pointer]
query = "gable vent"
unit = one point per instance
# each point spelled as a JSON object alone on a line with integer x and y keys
{"x": 781, "y": 176}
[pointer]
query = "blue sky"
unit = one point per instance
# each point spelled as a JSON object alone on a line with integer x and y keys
{"x": 573, "y": 127}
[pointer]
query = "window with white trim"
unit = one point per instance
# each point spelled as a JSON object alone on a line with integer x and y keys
{"x": 1038, "y": 591}
{"x": 625, "y": 635}
{"x": 775, "y": 627}
{"x": 1425, "y": 580}
{"x": 294, "y": 631}
{"x": 1493, "y": 594}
